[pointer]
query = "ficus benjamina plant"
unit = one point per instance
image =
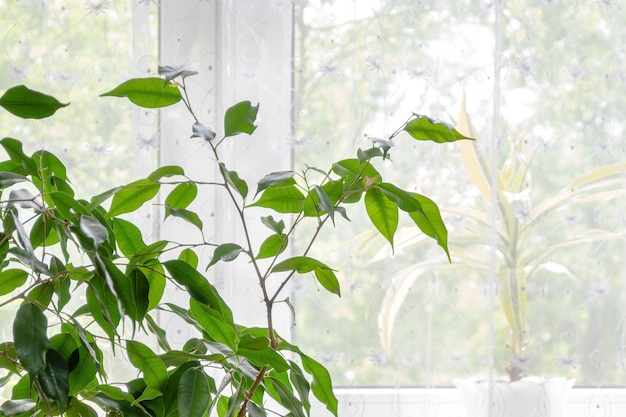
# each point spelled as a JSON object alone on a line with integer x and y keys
{"x": 56, "y": 247}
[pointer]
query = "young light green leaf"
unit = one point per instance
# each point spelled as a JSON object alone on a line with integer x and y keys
{"x": 322, "y": 385}
{"x": 128, "y": 237}
{"x": 281, "y": 199}
{"x": 232, "y": 179}
{"x": 10, "y": 279}
{"x": 216, "y": 329}
{"x": 225, "y": 252}
{"x": 328, "y": 280}
{"x": 425, "y": 128}
{"x": 152, "y": 367}
{"x": 132, "y": 196}
{"x": 166, "y": 171}
{"x": 23, "y": 102}
{"x": 275, "y": 178}
{"x": 30, "y": 337}
{"x": 182, "y": 195}
{"x": 54, "y": 378}
{"x": 147, "y": 92}
{"x": 383, "y": 213}
{"x": 190, "y": 256}
{"x": 240, "y": 118}
{"x": 300, "y": 264}
{"x": 194, "y": 395}
{"x": 272, "y": 246}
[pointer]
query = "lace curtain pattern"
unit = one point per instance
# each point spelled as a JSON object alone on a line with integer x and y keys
{"x": 541, "y": 85}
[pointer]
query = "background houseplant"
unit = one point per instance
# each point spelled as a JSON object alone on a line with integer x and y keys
{"x": 86, "y": 281}
{"x": 524, "y": 251}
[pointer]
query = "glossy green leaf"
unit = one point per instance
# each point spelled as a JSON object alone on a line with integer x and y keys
{"x": 123, "y": 288}
{"x": 182, "y": 195}
{"x": 147, "y": 92}
{"x": 190, "y": 256}
{"x": 301, "y": 384}
{"x": 23, "y": 102}
{"x": 275, "y": 178}
{"x": 128, "y": 237}
{"x": 382, "y": 212}
{"x": 287, "y": 199}
{"x": 425, "y": 128}
{"x": 152, "y": 367}
{"x": 272, "y": 246}
{"x": 328, "y": 280}
{"x": 405, "y": 200}
{"x": 160, "y": 333}
{"x": 265, "y": 356}
{"x": 199, "y": 288}
{"x": 187, "y": 215}
{"x": 103, "y": 306}
{"x": 16, "y": 407}
{"x": 66, "y": 204}
{"x": 84, "y": 371}
{"x": 132, "y": 196}
{"x": 54, "y": 378}
{"x": 352, "y": 168}
{"x": 42, "y": 232}
{"x": 13, "y": 148}
{"x": 286, "y": 397}
{"x": 11, "y": 279}
{"x": 153, "y": 271}
{"x": 41, "y": 295}
{"x": 240, "y": 118}
{"x": 93, "y": 230}
{"x": 324, "y": 202}
{"x": 80, "y": 409}
{"x": 321, "y": 386}
{"x": 300, "y": 264}
{"x": 225, "y": 252}
{"x": 194, "y": 395}
{"x": 30, "y": 337}
{"x": 140, "y": 291}
{"x": 430, "y": 222}
{"x": 216, "y": 329}
{"x": 233, "y": 180}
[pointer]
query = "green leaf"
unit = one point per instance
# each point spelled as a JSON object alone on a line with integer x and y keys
{"x": 215, "y": 328}
{"x": 10, "y": 279}
{"x": 194, "y": 395}
{"x": 366, "y": 155}
{"x": 10, "y": 178}
{"x": 382, "y": 212}
{"x": 80, "y": 409}
{"x": 286, "y": 397}
{"x": 232, "y": 179}
{"x": 84, "y": 371}
{"x": 265, "y": 356}
{"x": 128, "y": 237}
{"x": 166, "y": 171}
{"x": 30, "y": 337}
{"x": 275, "y": 178}
{"x": 41, "y": 295}
{"x": 300, "y": 264}
{"x": 8, "y": 357}
{"x": 325, "y": 202}
{"x": 23, "y": 102}
{"x": 132, "y": 196}
{"x": 66, "y": 204}
{"x": 144, "y": 359}
{"x": 287, "y": 199}
{"x": 199, "y": 288}
{"x": 140, "y": 291}
{"x": 240, "y": 118}
{"x": 301, "y": 384}
{"x": 147, "y": 92}
{"x": 272, "y": 246}
{"x": 188, "y": 255}
{"x": 16, "y": 407}
{"x": 54, "y": 379}
{"x": 160, "y": 334}
{"x": 352, "y": 168}
{"x": 405, "y": 200}
{"x": 275, "y": 226}
{"x": 226, "y": 252}
{"x": 187, "y": 215}
{"x": 93, "y": 229}
{"x": 322, "y": 385}
{"x": 13, "y": 148}
{"x": 425, "y": 128}
{"x": 328, "y": 280}
{"x": 430, "y": 222}
{"x": 182, "y": 195}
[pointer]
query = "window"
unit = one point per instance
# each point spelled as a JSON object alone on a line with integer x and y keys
{"x": 539, "y": 82}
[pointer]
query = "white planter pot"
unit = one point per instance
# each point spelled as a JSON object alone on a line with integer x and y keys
{"x": 529, "y": 397}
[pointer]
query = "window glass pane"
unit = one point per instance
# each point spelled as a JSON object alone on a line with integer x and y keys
{"x": 540, "y": 84}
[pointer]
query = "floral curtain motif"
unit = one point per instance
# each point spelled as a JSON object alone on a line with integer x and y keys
{"x": 539, "y": 84}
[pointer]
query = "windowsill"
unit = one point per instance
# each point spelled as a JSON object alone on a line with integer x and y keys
{"x": 446, "y": 402}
